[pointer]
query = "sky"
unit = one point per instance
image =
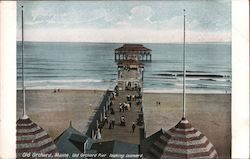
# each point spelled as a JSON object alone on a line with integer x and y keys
{"x": 125, "y": 21}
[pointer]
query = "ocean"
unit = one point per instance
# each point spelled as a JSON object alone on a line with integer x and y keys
{"x": 49, "y": 65}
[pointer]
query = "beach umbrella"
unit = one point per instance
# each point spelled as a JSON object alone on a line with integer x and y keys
{"x": 31, "y": 140}
{"x": 182, "y": 141}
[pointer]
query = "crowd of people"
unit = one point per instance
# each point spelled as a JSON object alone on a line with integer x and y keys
{"x": 56, "y": 90}
{"x": 126, "y": 106}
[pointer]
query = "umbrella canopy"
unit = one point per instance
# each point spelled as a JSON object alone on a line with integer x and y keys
{"x": 182, "y": 141}
{"x": 32, "y": 139}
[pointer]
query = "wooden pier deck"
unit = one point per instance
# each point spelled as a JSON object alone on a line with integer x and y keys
{"x": 123, "y": 133}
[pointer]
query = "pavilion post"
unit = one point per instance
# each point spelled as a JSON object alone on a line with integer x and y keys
{"x": 104, "y": 111}
{"x": 101, "y": 117}
{"x": 93, "y": 134}
{"x": 109, "y": 100}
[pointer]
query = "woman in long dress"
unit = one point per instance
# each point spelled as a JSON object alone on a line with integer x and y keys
{"x": 98, "y": 133}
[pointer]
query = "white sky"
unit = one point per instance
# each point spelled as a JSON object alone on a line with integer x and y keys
{"x": 126, "y": 21}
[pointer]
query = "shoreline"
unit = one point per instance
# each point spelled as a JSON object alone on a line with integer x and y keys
{"x": 144, "y": 91}
{"x": 69, "y": 89}
{"x": 187, "y": 91}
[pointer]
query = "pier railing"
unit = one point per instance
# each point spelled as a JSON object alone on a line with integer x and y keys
{"x": 98, "y": 118}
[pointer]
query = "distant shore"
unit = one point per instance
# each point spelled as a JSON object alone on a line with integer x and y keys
{"x": 208, "y": 112}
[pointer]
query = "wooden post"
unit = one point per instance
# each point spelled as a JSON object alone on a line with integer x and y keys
{"x": 104, "y": 111}
{"x": 142, "y": 73}
{"x": 150, "y": 57}
{"x": 101, "y": 117}
{"x": 118, "y": 73}
{"x": 107, "y": 103}
{"x": 93, "y": 134}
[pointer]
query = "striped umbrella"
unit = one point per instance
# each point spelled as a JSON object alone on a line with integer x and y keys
{"x": 182, "y": 141}
{"x": 32, "y": 140}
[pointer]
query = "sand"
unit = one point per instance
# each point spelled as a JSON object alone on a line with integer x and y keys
{"x": 209, "y": 113}
{"x": 53, "y": 111}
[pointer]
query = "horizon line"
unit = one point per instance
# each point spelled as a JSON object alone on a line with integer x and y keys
{"x": 108, "y": 42}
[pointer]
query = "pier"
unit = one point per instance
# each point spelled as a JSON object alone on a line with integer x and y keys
{"x": 123, "y": 132}
{"x": 120, "y": 115}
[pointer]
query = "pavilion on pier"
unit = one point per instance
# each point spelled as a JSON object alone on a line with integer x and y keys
{"x": 135, "y": 52}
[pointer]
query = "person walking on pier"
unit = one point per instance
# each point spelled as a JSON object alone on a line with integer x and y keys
{"x": 129, "y": 97}
{"x": 123, "y": 107}
{"x": 133, "y": 97}
{"x": 113, "y": 123}
{"x": 98, "y": 134}
{"x": 112, "y": 111}
{"x": 105, "y": 120}
{"x": 100, "y": 126}
{"x": 120, "y": 106}
{"x": 110, "y": 124}
{"x": 122, "y": 118}
{"x": 133, "y": 127}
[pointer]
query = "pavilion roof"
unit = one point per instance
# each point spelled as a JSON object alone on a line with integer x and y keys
{"x": 133, "y": 47}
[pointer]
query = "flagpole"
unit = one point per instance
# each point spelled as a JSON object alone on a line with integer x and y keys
{"x": 184, "y": 67}
{"x": 23, "y": 86}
